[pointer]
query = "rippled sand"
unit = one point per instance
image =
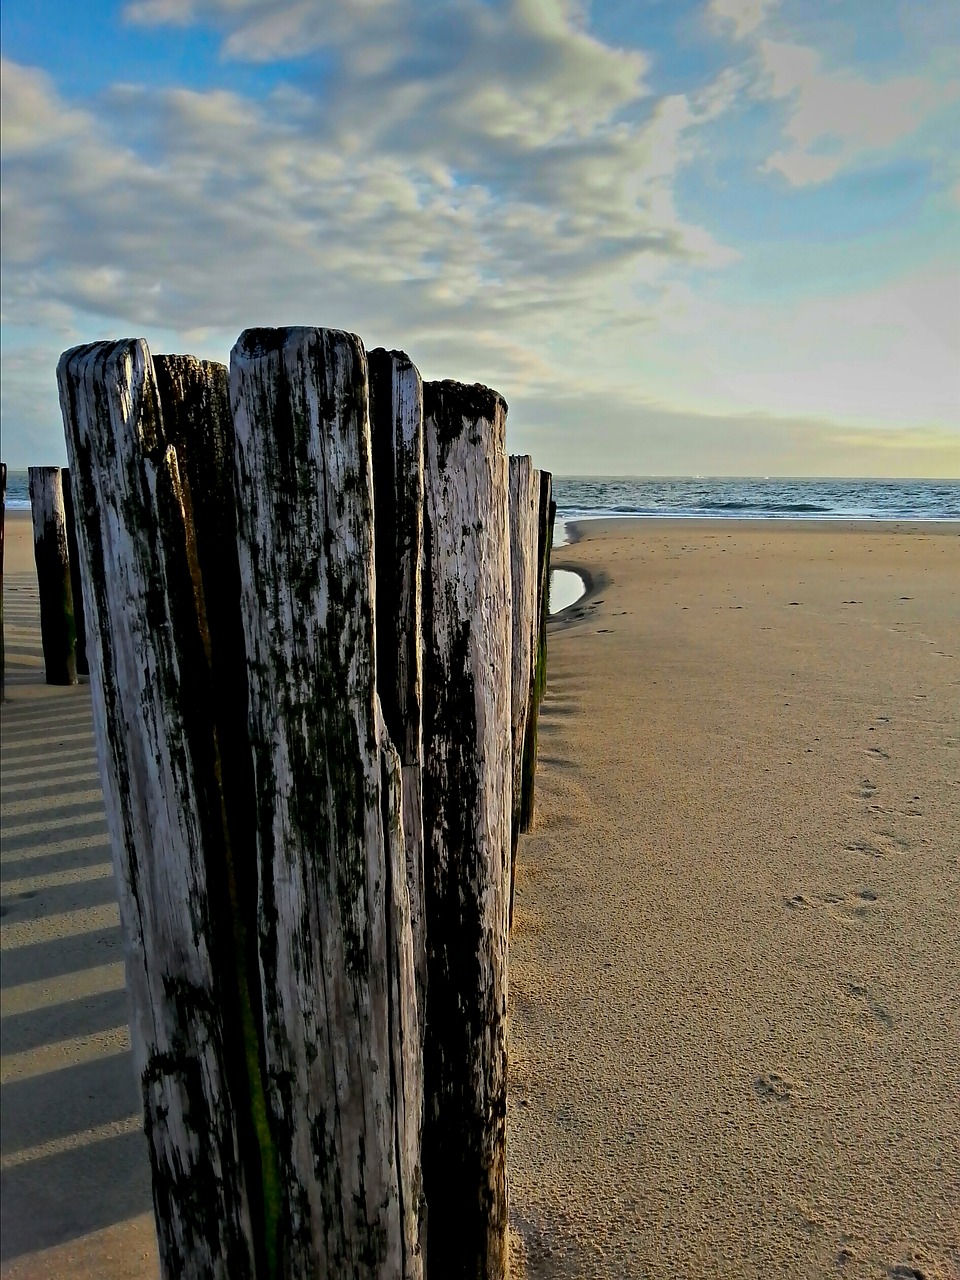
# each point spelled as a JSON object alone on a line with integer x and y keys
{"x": 735, "y": 974}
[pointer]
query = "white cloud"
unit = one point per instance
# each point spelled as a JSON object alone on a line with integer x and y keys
{"x": 489, "y": 186}
{"x": 522, "y": 165}
{"x": 489, "y": 196}
{"x": 836, "y": 117}
{"x": 745, "y": 16}
{"x": 31, "y": 118}
{"x": 155, "y": 13}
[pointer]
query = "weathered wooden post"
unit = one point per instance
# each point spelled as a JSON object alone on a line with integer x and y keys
{"x": 153, "y": 725}
{"x": 396, "y": 421}
{"x": 57, "y": 628}
{"x": 538, "y": 685}
{"x": 341, "y": 1032}
{"x": 195, "y": 419}
{"x": 76, "y": 585}
{"x": 466, "y": 803}
{"x": 544, "y": 602}
{"x": 524, "y": 529}
{"x": 3, "y": 521}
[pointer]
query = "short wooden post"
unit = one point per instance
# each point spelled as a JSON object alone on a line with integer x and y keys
{"x": 538, "y": 685}
{"x": 339, "y": 998}
{"x": 153, "y": 725}
{"x": 3, "y": 521}
{"x": 545, "y": 591}
{"x": 57, "y": 627}
{"x": 396, "y": 421}
{"x": 466, "y": 801}
{"x": 524, "y": 529}
{"x": 76, "y": 584}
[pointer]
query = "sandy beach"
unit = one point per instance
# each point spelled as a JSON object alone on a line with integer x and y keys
{"x": 74, "y": 1177}
{"x": 735, "y": 972}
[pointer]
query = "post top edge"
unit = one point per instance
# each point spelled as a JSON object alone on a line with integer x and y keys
{"x": 471, "y": 399}
{"x": 259, "y": 341}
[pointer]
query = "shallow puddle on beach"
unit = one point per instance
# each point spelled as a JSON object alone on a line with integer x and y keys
{"x": 566, "y": 588}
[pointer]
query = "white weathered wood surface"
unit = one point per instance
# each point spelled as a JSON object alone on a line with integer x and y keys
{"x": 524, "y": 529}
{"x": 466, "y": 789}
{"x": 396, "y": 421}
{"x": 153, "y": 731}
{"x": 338, "y": 987}
{"x": 58, "y": 634}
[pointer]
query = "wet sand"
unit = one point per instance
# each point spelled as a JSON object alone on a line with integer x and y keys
{"x": 735, "y": 972}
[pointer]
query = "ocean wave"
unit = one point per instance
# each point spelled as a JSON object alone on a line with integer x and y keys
{"x": 800, "y": 508}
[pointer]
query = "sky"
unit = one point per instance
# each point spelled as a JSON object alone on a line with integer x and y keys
{"x": 679, "y": 236}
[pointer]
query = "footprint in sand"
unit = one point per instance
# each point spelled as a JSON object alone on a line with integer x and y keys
{"x": 799, "y": 902}
{"x": 856, "y": 905}
{"x": 883, "y": 845}
{"x": 862, "y": 996}
{"x": 773, "y": 1087}
{"x": 918, "y": 1268}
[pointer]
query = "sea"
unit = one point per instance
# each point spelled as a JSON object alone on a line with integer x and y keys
{"x": 744, "y": 498}
{"x": 755, "y": 498}
{"x": 720, "y": 497}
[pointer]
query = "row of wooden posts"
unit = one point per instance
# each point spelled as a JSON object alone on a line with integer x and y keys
{"x": 316, "y": 600}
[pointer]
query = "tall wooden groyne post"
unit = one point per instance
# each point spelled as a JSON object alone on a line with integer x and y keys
{"x": 339, "y": 1002}
{"x": 301, "y": 632}
{"x": 467, "y": 811}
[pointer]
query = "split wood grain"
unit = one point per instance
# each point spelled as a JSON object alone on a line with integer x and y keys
{"x": 396, "y": 422}
{"x": 196, "y": 420}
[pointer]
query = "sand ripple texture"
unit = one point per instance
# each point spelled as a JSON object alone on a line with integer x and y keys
{"x": 74, "y": 1174}
{"x": 735, "y": 974}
